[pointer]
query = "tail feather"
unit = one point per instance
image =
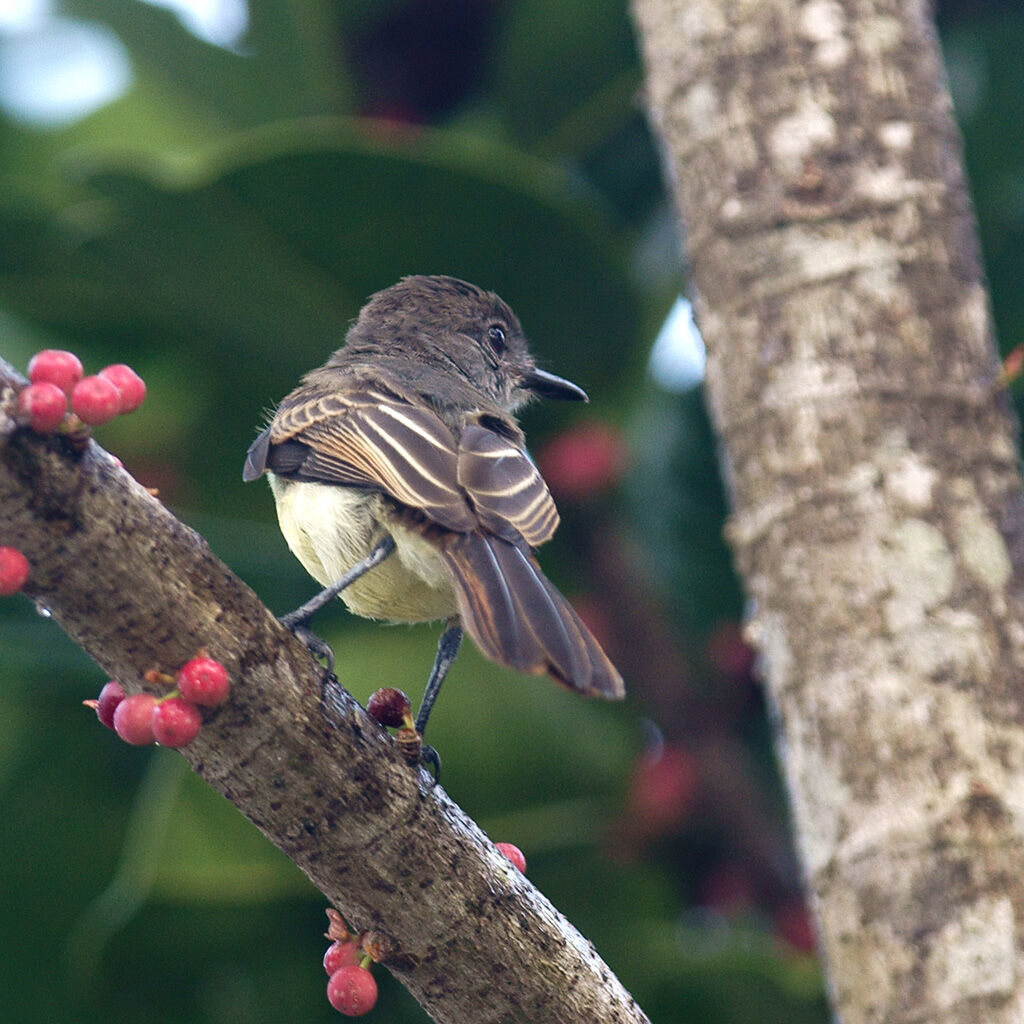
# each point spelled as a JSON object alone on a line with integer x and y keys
{"x": 558, "y": 634}
{"x": 518, "y": 618}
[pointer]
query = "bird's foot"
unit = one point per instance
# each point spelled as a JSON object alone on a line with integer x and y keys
{"x": 431, "y": 760}
{"x": 316, "y": 645}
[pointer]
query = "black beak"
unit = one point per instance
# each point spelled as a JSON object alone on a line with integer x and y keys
{"x": 547, "y": 385}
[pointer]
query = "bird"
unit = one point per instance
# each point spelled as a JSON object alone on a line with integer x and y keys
{"x": 402, "y": 483}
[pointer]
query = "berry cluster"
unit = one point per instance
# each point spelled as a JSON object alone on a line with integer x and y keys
{"x": 172, "y": 720}
{"x": 351, "y": 989}
{"x": 57, "y": 381}
{"x": 13, "y": 571}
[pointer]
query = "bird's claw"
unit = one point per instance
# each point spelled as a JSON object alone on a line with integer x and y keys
{"x": 317, "y": 646}
{"x": 430, "y": 759}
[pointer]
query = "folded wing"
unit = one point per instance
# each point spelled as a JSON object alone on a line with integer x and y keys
{"x": 370, "y": 439}
{"x": 509, "y": 495}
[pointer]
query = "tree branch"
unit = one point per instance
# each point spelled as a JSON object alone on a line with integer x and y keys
{"x": 473, "y": 939}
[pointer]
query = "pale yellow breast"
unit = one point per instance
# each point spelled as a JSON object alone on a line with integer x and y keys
{"x": 329, "y": 529}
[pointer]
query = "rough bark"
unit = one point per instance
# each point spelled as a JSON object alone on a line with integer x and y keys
{"x": 470, "y": 937}
{"x": 877, "y": 517}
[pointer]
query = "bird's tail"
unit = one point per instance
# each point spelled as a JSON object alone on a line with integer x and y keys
{"x": 518, "y": 618}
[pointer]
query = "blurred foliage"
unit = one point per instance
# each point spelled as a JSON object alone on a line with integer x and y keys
{"x": 218, "y": 226}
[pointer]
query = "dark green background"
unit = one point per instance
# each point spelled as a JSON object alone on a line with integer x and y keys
{"x": 217, "y": 227}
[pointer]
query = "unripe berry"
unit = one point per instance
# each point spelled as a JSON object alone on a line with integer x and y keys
{"x": 514, "y": 854}
{"x": 176, "y": 722}
{"x": 341, "y": 954}
{"x": 13, "y": 571}
{"x": 57, "y": 367}
{"x": 130, "y": 386}
{"x": 44, "y": 404}
{"x": 352, "y": 991}
{"x": 110, "y": 697}
{"x": 204, "y": 681}
{"x": 133, "y": 719}
{"x": 389, "y": 706}
{"x": 95, "y": 400}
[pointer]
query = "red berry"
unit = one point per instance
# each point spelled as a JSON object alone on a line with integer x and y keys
{"x": 793, "y": 923}
{"x": 13, "y": 571}
{"x": 389, "y": 706}
{"x": 133, "y": 719}
{"x": 110, "y": 697}
{"x": 176, "y": 722}
{"x": 1013, "y": 365}
{"x": 583, "y": 461}
{"x": 95, "y": 400}
{"x": 729, "y": 889}
{"x": 597, "y": 616}
{"x": 514, "y": 854}
{"x": 44, "y": 404}
{"x": 729, "y": 652}
{"x": 204, "y": 681}
{"x": 341, "y": 954}
{"x": 663, "y": 788}
{"x": 57, "y": 367}
{"x": 352, "y": 991}
{"x": 129, "y": 384}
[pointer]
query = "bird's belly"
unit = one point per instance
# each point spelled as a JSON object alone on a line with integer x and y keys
{"x": 329, "y": 529}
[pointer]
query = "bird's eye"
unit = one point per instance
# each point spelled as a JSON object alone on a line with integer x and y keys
{"x": 496, "y": 336}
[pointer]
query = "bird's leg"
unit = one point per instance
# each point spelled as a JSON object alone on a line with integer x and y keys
{"x": 447, "y": 651}
{"x": 304, "y": 613}
{"x": 297, "y": 620}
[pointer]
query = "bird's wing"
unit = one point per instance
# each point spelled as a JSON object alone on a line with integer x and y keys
{"x": 504, "y": 487}
{"x": 368, "y": 438}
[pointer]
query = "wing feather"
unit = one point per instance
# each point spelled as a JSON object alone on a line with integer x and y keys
{"x": 504, "y": 486}
{"x": 370, "y": 438}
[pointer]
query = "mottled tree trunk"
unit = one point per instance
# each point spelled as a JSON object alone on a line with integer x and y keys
{"x": 871, "y": 461}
